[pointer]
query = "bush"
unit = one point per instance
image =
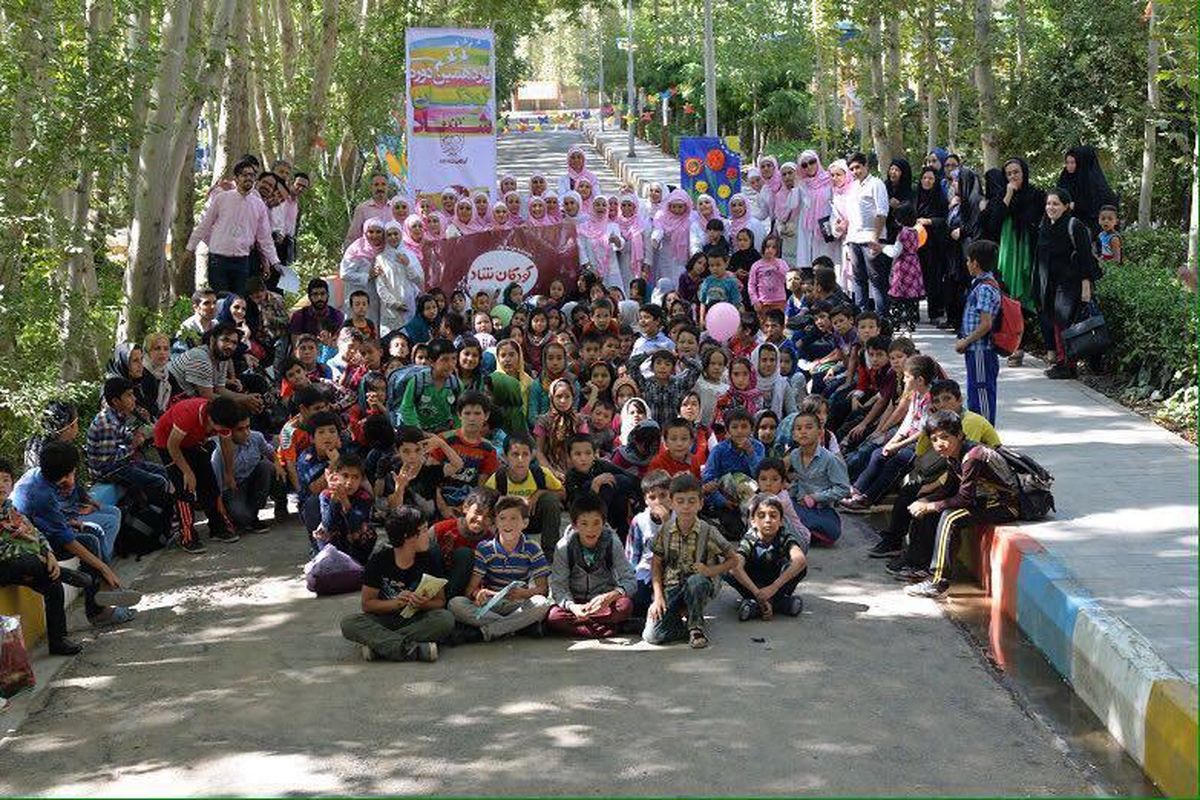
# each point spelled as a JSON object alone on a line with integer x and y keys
{"x": 1151, "y": 316}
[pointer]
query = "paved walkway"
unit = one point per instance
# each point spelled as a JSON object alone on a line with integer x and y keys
{"x": 1126, "y": 490}
{"x": 649, "y": 165}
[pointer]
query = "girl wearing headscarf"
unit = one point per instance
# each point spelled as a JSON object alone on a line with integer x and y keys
{"x": 507, "y": 183}
{"x": 500, "y": 218}
{"x": 965, "y": 226}
{"x": 900, "y": 190}
{"x": 401, "y": 208}
{"x": 674, "y": 238}
{"x": 511, "y": 385}
{"x": 358, "y": 269}
{"x": 843, "y": 219}
{"x": 743, "y": 390}
{"x": 553, "y": 207}
{"x": 1065, "y": 271}
{"x": 772, "y": 182}
{"x": 756, "y": 198}
{"x": 466, "y": 221}
{"x": 572, "y": 207}
{"x": 1083, "y": 177}
{"x": 577, "y": 170}
{"x": 713, "y": 381}
{"x": 650, "y": 207}
{"x": 586, "y": 190}
{"x": 600, "y": 241}
{"x": 156, "y": 384}
{"x": 787, "y": 211}
{"x": 937, "y": 158}
{"x": 776, "y": 392}
{"x": 482, "y": 203}
{"x": 516, "y": 217}
{"x": 553, "y": 430}
{"x": 816, "y": 203}
{"x": 445, "y": 211}
{"x": 401, "y": 277}
{"x": 537, "y": 213}
{"x": 128, "y": 362}
{"x": 706, "y": 212}
{"x": 741, "y": 216}
{"x": 635, "y": 233}
{"x": 1023, "y": 207}
{"x": 932, "y": 214}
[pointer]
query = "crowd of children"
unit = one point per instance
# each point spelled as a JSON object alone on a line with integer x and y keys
{"x": 441, "y": 454}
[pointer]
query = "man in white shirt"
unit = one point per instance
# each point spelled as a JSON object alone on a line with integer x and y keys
{"x": 872, "y": 268}
{"x": 232, "y": 224}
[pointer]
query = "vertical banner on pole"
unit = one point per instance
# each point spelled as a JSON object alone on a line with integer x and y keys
{"x": 451, "y": 109}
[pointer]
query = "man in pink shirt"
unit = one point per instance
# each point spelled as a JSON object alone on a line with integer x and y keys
{"x": 291, "y": 217}
{"x": 232, "y": 224}
{"x": 377, "y": 207}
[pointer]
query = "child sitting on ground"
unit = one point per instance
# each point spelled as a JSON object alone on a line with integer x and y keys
{"x": 390, "y": 581}
{"x": 656, "y": 488}
{"x": 458, "y": 538}
{"x": 346, "y": 506}
{"x": 677, "y": 453}
{"x": 771, "y": 563}
{"x": 591, "y": 581}
{"x": 508, "y": 563}
{"x": 819, "y": 480}
{"x": 589, "y": 474}
{"x": 690, "y": 555}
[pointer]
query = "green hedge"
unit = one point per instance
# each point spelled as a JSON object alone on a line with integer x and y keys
{"x": 1152, "y": 317}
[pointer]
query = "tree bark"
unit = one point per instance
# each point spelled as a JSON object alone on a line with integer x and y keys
{"x": 985, "y": 84}
{"x": 313, "y": 114}
{"x": 235, "y": 136}
{"x": 892, "y": 86}
{"x": 822, "y": 82}
{"x": 164, "y": 149}
{"x": 929, "y": 79}
{"x": 287, "y": 41}
{"x": 952, "y": 112}
{"x": 1150, "y": 127}
{"x": 137, "y": 40}
{"x": 874, "y": 104}
{"x": 1193, "y": 251}
{"x": 183, "y": 261}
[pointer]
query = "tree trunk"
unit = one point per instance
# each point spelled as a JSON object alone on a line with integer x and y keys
{"x": 266, "y": 54}
{"x": 1021, "y": 37}
{"x": 259, "y": 69}
{"x": 929, "y": 79}
{"x": 137, "y": 40}
{"x": 183, "y": 261}
{"x": 235, "y": 136}
{"x": 164, "y": 149}
{"x": 313, "y": 114}
{"x": 874, "y": 104}
{"x": 287, "y": 41}
{"x": 1150, "y": 128}
{"x": 1193, "y": 251}
{"x": 952, "y": 113}
{"x": 822, "y": 82}
{"x": 985, "y": 84}
{"x": 892, "y": 86}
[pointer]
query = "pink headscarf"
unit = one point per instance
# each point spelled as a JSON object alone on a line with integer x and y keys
{"x": 594, "y": 228}
{"x": 776, "y": 181}
{"x": 556, "y": 215}
{"x": 475, "y": 225}
{"x": 716, "y": 213}
{"x": 487, "y": 215}
{"x": 536, "y": 221}
{"x": 677, "y": 227}
{"x": 782, "y": 200}
{"x": 515, "y": 220}
{"x": 446, "y": 219}
{"x": 410, "y": 244}
{"x": 361, "y": 247}
{"x": 584, "y": 172}
{"x": 631, "y": 230}
{"x": 819, "y": 191}
{"x": 735, "y": 224}
{"x": 507, "y": 225}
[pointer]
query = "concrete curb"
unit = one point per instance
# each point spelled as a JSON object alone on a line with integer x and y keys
{"x": 625, "y": 172}
{"x": 1146, "y": 705}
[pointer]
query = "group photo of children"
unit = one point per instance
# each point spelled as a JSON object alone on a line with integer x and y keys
{"x": 696, "y": 411}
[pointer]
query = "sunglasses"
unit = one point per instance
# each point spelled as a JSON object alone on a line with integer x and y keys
{"x": 808, "y": 163}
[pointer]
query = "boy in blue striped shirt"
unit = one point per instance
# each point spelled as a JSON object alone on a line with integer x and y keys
{"x": 499, "y": 562}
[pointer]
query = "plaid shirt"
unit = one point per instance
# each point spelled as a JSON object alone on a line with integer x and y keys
{"x": 983, "y": 298}
{"x": 109, "y": 442}
{"x": 663, "y": 399}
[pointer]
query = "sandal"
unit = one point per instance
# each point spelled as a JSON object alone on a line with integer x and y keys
{"x": 696, "y": 639}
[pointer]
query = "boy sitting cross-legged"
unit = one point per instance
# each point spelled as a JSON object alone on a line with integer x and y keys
{"x": 591, "y": 582}
{"x": 690, "y": 555}
{"x": 771, "y": 563}
{"x": 390, "y": 580}
{"x": 508, "y": 564}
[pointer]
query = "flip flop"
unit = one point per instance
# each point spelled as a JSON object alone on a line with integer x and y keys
{"x": 696, "y": 639}
{"x": 118, "y": 597}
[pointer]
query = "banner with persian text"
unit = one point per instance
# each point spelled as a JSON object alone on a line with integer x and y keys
{"x": 490, "y": 260}
{"x": 450, "y": 109}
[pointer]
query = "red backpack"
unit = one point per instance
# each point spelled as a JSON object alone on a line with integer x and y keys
{"x": 1009, "y": 325}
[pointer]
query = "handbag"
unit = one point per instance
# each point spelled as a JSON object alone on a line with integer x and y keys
{"x": 16, "y": 673}
{"x": 825, "y": 225}
{"x": 1089, "y": 336}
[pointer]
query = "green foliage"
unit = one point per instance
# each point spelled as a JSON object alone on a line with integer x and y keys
{"x": 1180, "y": 410}
{"x": 1151, "y": 316}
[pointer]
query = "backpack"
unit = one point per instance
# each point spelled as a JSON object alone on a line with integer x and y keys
{"x": 1033, "y": 484}
{"x": 397, "y": 383}
{"x": 535, "y": 469}
{"x": 1009, "y": 325}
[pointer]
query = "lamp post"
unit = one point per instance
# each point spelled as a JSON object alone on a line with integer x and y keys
{"x": 710, "y": 74}
{"x": 629, "y": 71}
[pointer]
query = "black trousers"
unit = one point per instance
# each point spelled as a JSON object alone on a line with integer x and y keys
{"x": 933, "y": 536}
{"x": 208, "y": 494}
{"x": 29, "y": 570}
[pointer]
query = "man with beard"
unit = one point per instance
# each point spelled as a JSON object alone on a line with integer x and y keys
{"x": 207, "y": 369}
{"x": 377, "y": 207}
{"x": 233, "y": 223}
{"x": 308, "y": 319}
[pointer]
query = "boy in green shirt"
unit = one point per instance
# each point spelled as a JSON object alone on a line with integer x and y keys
{"x": 429, "y": 396}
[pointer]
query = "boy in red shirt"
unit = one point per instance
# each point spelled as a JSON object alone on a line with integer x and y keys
{"x": 676, "y": 456}
{"x": 456, "y": 538}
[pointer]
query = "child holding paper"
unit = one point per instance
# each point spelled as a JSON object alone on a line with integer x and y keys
{"x": 398, "y": 622}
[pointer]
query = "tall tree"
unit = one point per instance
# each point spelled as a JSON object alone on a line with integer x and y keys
{"x": 985, "y": 85}
{"x": 1150, "y": 126}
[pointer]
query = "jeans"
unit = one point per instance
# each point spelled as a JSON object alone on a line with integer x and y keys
{"x": 871, "y": 275}
{"x": 250, "y": 496}
{"x": 462, "y": 564}
{"x": 683, "y": 599}
{"x": 503, "y": 618}
{"x": 883, "y": 471}
{"x": 601, "y": 625}
{"x": 858, "y": 458}
{"x": 822, "y": 522}
{"x": 228, "y": 273}
{"x": 91, "y": 541}
{"x": 30, "y": 571}
{"x": 616, "y": 499}
{"x": 395, "y": 638}
{"x": 105, "y": 522}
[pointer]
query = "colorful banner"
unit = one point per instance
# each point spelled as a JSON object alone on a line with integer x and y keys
{"x": 491, "y": 260}
{"x": 451, "y": 109}
{"x": 707, "y": 166}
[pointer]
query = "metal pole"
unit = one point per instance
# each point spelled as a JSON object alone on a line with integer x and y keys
{"x": 710, "y": 74}
{"x": 629, "y": 70}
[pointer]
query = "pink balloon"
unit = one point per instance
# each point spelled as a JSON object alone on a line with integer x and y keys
{"x": 722, "y": 321}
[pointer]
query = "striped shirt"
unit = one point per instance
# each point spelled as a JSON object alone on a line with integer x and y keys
{"x": 499, "y": 567}
{"x": 109, "y": 442}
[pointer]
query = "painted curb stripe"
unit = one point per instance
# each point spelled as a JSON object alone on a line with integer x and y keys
{"x": 1171, "y": 737}
{"x": 1048, "y": 603}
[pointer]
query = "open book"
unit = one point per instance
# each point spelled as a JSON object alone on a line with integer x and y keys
{"x": 497, "y": 598}
{"x": 427, "y": 588}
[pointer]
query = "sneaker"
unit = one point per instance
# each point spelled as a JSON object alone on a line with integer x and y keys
{"x": 792, "y": 606}
{"x": 464, "y": 634}
{"x": 1016, "y": 359}
{"x": 696, "y": 639}
{"x": 117, "y": 615}
{"x": 65, "y": 647}
{"x": 894, "y": 564}
{"x": 368, "y": 654}
{"x": 427, "y": 652}
{"x": 195, "y": 546}
{"x": 1059, "y": 372}
{"x": 886, "y": 548}
{"x": 118, "y": 597}
{"x": 748, "y": 608}
{"x": 856, "y": 505}
{"x": 259, "y": 526}
{"x": 225, "y": 536}
{"x": 928, "y": 588}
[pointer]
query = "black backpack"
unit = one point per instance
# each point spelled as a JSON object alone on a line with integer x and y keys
{"x": 1033, "y": 484}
